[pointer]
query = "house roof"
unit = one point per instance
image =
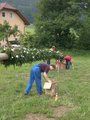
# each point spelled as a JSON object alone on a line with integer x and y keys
{"x": 6, "y": 6}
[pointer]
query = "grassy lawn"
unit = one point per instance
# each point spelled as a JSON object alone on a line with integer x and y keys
{"x": 73, "y": 89}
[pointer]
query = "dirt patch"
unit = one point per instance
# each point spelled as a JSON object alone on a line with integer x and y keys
{"x": 32, "y": 116}
{"x": 57, "y": 112}
{"x": 61, "y": 110}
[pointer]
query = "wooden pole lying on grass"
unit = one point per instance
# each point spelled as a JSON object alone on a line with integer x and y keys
{"x": 3, "y": 56}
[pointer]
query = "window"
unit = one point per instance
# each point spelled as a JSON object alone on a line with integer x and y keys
{"x": 3, "y": 14}
{"x": 11, "y": 15}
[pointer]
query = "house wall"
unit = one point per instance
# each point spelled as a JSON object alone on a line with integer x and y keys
{"x": 14, "y": 20}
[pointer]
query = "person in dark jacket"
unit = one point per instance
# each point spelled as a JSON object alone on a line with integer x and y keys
{"x": 35, "y": 74}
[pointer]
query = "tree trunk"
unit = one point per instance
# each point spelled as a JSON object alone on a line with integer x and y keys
{"x": 7, "y": 41}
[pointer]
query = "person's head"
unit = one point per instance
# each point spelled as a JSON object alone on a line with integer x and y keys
{"x": 52, "y": 48}
{"x": 52, "y": 67}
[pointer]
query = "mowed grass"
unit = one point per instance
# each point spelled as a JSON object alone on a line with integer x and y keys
{"x": 73, "y": 89}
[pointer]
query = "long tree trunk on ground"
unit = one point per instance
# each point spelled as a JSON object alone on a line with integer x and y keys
{"x": 3, "y": 56}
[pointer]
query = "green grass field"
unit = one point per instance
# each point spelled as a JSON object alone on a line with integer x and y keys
{"x": 73, "y": 90}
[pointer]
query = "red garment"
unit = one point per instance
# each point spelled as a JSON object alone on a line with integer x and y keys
{"x": 67, "y": 58}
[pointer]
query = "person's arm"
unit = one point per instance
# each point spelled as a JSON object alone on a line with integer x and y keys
{"x": 46, "y": 77}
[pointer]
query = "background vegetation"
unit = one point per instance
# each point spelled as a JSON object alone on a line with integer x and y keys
{"x": 63, "y": 23}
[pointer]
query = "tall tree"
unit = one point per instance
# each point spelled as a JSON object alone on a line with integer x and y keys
{"x": 58, "y": 22}
{"x": 84, "y": 41}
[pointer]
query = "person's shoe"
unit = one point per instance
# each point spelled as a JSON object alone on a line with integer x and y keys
{"x": 26, "y": 93}
{"x": 40, "y": 94}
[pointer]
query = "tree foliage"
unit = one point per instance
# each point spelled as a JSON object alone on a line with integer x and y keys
{"x": 55, "y": 21}
{"x": 59, "y": 22}
{"x": 27, "y": 40}
{"x": 84, "y": 41}
{"x": 23, "y": 55}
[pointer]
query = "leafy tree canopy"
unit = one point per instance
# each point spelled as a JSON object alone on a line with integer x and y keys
{"x": 59, "y": 22}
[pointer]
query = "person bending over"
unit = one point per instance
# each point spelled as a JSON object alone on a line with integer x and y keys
{"x": 35, "y": 74}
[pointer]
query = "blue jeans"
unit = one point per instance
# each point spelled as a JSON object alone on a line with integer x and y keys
{"x": 35, "y": 74}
